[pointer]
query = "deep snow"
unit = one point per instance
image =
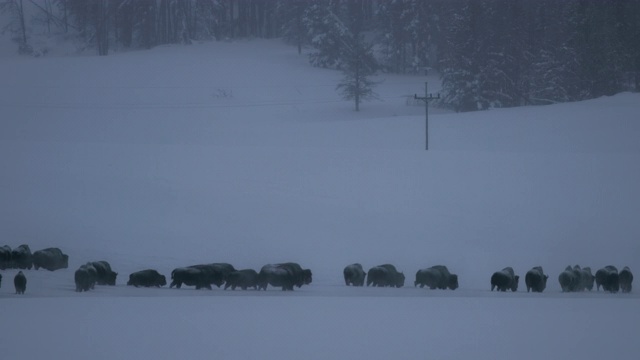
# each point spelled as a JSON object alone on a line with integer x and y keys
{"x": 241, "y": 152}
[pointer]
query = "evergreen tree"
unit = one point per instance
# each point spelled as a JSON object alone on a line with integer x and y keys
{"x": 359, "y": 65}
{"x": 292, "y": 13}
{"x": 326, "y": 31}
{"x": 460, "y": 59}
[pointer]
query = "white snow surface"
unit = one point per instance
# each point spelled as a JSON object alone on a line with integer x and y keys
{"x": 240, "y": 152}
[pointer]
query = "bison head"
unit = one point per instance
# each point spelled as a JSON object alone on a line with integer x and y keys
{"x": 162, "y": 280}
{"x": 111, "y": 278}
{"x": 400, "y": 280}
{"x": 307, "y": 276}
{"x": 514, "y": 284}
{"x": 453, "y": 282}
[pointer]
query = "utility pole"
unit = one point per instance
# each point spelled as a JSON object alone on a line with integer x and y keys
{"x": 426, "y": 99}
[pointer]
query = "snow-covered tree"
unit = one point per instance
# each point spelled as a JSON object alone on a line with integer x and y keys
{"x": 359, "y": 65}
{"x": 292, "y": 14}
{"x": 326, "y": 31}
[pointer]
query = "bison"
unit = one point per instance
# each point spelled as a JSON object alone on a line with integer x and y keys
{"x": 301, "y": 276}
{"x": 5, "y": 257}
{"x": 215, "y": 273}
{"x": 571, "y": 279}
{"x": 385, "y": 275}
{"x": 247, "y": 278}
{"x": 284, "y": 275}
{"x": 504, "y": 280}
{"x": 625, "y": 279}
{"x": 277, "y": 276}
{"x": 354, "y": 275}
{"x": 436, "y": 277}
{"x": 85, "y": 277}
{"x": 104, "y": 274}
{"x": 191, "y": 276}
{"x": 21, "y": 257}
{"x": 536, "y": 280}
{"x": 50, "y": 259}
{"x": 608, "y": 278}
{"x": 0, "y": 280}
{"x": 147, "y": 278}
{"x": 587, "y": 278}
{"x": 20, "y": 282}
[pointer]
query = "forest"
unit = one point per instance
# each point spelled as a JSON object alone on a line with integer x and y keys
{"x": 489, "y": 53}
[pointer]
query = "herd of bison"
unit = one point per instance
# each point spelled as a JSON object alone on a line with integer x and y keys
{"x": 290, "y": 275}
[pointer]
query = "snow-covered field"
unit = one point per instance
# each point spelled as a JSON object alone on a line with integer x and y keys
{"x": 241, "y": 152}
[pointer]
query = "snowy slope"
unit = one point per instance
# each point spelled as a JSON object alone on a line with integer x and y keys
{"x": 240, "y": 152}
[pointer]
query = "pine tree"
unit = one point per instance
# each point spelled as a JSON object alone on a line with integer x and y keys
{"x": 359, "y": 65}
{"x": 292, "y": 14}
{"x": 326, "y": 31}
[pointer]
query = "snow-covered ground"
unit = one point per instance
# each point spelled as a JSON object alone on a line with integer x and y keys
{"x": 240, "y": 152}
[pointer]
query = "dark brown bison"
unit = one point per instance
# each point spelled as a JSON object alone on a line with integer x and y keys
{"x": 276, "y": 276}
{"x": 244, "y": 279}
{"x": 85, "y": 277}
{"x": 625, "y": 278}
{"x": 21, "y": 257}
{"x": 504, "y": 280}
{"x": 50, "y": 259}
{"x": 20, "y": 283}
{"x": 385, "y": 275}
{"x": 5, "y": 257}
{"x": 104, "y": 274}
{"x": 608, "y": 278}
{"x": 436, "y": 277}
{"x": 536, "y": 280}
{"x": 284, "y": 275}
{"x": 587, "y": 278}
{"x": 191, "y": 276}
{"x": 215, "y": 273}
{"x": 354, "y": 275}
{"x": 147, "y": 278}
{"x": 571, "y": 279}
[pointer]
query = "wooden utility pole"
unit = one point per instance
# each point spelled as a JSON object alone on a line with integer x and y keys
{"x": 426, "y": 99}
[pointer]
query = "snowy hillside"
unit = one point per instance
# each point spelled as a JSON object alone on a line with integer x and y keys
{"x": 241, "y": 152}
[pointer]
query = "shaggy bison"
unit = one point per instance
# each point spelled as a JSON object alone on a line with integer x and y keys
{"x": 147, "y": 278}
{"x": 385, "y": 275}
{"x": 608, "y": 278}
{"x": 571, "y": 279}
{"x": 50, "y": 259}
{"x": 536, "y": 280}
{"x": 277, "y": 276}
{"x": 587, "y": 278}
{"x": 5, "y": 257}
{"x": 436, "y": 277}
{"x": 244, "y": 279}
{"x": 215, "y": 273}
{"x": 354, "y": 275}
{"x": 104, "y": 274}
{"x": 85, "y": 277}
{"x": 284, "y": 275}
{"x": 199, "y": 277}
{"x": 21, "y": 257}
{"x": 625, "y": 278}
{"x": 20, "y": 282}
{"x": 504, "y": 280}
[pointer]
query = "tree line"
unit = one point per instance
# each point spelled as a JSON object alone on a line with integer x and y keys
{"x": 489, "y": 53}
